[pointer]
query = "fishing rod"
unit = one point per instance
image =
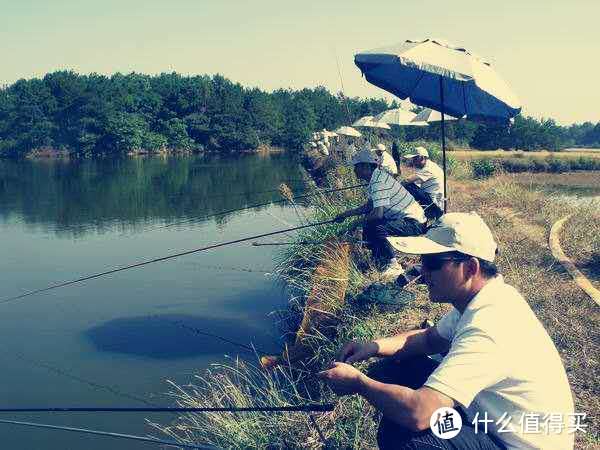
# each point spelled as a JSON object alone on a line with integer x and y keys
{"x": 108, "y": 434}
{"x": 337, "y": 60}
{"x": 241, "y": 194}
{"x": 163, "y": 258}
{"x": 264, "y": 244}
{"x": 259, "y": 205}
{"x": 308, "y": 407}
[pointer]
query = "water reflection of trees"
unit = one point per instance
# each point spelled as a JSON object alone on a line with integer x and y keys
{"x": 80, "y": 196}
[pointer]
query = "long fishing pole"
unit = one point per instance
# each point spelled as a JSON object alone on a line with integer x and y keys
{"x": 259, "y": 205}
{"x": 342, "y": 84}
{"x": 309, "y": 407}
{"x": 239, "y": 194}
{"x": 108, "y": 434}
{"x": 163, "y": 258}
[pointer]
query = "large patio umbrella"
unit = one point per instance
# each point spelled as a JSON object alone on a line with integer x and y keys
{"x": 437, "y": 75}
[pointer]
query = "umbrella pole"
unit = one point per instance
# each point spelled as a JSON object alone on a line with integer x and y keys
{"x": 443, "y": 144}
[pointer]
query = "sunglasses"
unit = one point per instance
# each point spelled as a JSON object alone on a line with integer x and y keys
{"x": 436, "y": 262}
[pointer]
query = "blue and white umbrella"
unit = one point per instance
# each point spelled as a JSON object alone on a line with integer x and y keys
{"x": 437, "y": 75}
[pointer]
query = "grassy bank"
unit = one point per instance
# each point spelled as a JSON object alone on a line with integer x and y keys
{"x": 520, "y": 218}
{"x": 487, "y": 163}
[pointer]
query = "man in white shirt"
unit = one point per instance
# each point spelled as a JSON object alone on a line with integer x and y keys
{"x": 390, "y": 211}
{"x": 387, "y": 163}
{"x": 501, "y": 370}
{"x": 427, "y": 184}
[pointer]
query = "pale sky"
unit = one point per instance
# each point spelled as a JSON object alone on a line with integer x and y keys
{"x": 547, "y": 50}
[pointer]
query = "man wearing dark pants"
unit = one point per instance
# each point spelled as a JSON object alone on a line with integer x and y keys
{"x": 500, "y": 371}
{"x": 390, "y": 211}
{"x": 427, "y": 184}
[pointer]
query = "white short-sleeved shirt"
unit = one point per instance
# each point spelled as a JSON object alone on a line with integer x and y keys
{"x": 388, "y": 163}
{"x": 385, "y": 190}
{"x": 502, "y": 361}
{"x": 431, "y": 179}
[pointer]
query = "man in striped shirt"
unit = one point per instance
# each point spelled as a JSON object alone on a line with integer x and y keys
{"x": 427, "y": 184}
{"x": 390, "y": 211}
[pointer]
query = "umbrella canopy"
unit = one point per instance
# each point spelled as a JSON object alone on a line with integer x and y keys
{"x": 437, "y": 75}
{"x": 398, "y": 116}
{"x": 370, "y": 122}
{"x": 429, "y": 115}
{"x": 425, "y": 71}
{"x": 348, "y": 131}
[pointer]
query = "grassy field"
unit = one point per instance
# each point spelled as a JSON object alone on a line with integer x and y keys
{"x": 472, "y": 154}
{"x": 520, "y": 217}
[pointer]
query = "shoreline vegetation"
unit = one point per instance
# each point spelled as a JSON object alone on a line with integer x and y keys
{"x": 520, "y": 216}
{"x": 98, "y": 115}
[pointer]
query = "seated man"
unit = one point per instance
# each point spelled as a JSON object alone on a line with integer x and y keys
{"x": 501, "y": 370}
{"x": 427, "y": 184}
{"x": 387, "y": 162}
{"x": 390, "y": 211}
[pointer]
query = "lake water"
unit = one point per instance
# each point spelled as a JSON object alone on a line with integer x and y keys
{"x": 95, "y": 343}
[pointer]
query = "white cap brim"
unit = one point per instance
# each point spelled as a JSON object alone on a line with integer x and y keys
{"x": 418, "y": 245}
{"x": 410, "y": 156}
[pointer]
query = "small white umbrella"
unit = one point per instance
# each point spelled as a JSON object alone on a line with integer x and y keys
{"x": 348, "y": 131}
{"x": 429, "y": 115}
{"x": 370, "y": 122}
{"x": 397, "y": 116}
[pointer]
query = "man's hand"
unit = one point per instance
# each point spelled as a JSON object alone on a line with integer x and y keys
{"x": 357, "y": 351}
{"x": 342, "y": 378}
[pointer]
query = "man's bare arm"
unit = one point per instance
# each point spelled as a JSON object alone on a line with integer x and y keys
{"x": 412, "y": 343}
{"x": 403, "y": 405}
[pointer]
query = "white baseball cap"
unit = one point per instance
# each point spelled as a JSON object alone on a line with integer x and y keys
{"x": 419, "y": 151}
{"x": 381, "y": 147}
{"x": 365, "y": 156}
{"x": 461, "y": 232}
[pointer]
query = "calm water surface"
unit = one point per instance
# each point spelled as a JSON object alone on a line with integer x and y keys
{"x": 129, "y": 331}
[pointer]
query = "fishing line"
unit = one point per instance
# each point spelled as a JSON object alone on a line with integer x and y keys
{"x": 87, "y": 382}
{"x": 236, "y": 269}
{"x": 251, "y": 349}
{"x": 108, "y": 434}
{"x": 260, "y": 205}
{"x": 164, "y": 258}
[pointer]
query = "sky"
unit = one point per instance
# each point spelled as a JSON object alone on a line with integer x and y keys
{"x": 546, "y": 50}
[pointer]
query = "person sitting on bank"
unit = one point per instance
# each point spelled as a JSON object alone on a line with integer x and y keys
{"x": 387, "y": 162}
{"x": 500, "y": 365}
{"x": 390, "y": 211}
{"x": 427, "y": 184}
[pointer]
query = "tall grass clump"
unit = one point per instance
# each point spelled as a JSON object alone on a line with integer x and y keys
{"x": 484, "y": 168}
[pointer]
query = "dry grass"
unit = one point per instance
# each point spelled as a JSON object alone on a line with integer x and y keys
{"x": 580, "y": 240}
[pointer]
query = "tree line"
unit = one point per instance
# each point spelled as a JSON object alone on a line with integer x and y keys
{"x": 113, "y": 115}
